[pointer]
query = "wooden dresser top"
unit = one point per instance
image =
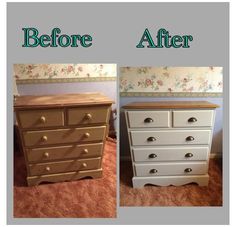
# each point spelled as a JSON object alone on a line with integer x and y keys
{"x": 171, "y": 105}
{"x": 62, "y": 100}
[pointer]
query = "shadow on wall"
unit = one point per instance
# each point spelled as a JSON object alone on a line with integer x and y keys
{"x": 216, "y": 147}
{"x": 124, "y": 142}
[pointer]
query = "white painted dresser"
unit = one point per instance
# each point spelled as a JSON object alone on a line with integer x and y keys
{"x": 170, "y": 142}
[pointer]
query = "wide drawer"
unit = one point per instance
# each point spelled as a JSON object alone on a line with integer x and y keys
{"x": 150, "y": 154}
{"x": 64, "y": 166}
{"x": 64, "y": 152}
{"x": 193, "y": 118}
{"x": 60, "y": 136}
{"x": 142, "y": 119}
{"x": 170, "y": 137}
{"x": 161, "y": 169}
{"x": 41, "y": 118}
{"x": 88, "y": 115}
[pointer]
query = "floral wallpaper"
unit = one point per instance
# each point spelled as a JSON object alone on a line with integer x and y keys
{"x": 33, "y": 73}
{"x": 171, "y": 81}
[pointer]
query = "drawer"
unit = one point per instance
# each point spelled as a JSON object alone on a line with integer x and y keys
{"x": 141, "y": 119}
{"x": 149, "y": 154}
{"x": 64, "y": 166}
{"x": 60, "y": 136}
{"x": 161, "y": 169}
{"x": 41, "y": 118}
{"x": 170, "y": 137}
{"x": 64, "y": 152}
{"x": 88, "y": 115}
{"x": 193, "y": 118}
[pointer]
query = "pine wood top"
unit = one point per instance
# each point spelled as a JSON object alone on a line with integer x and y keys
{"x": 171, "y": 105}
{"x": 61, "y": 100}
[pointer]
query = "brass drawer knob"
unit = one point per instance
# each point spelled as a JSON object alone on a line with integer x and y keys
{"x": 42, "y": 119}
{"x": 46, "y": 154}
{"x": 192, "y": 119}
{"x": 189, "y": 155}
{"x": 47, "y": 168}
{"x": 188, "y": 170}
{"x": 44, "y": 138}
{"x": 88, "y": 116}
{"x": 86, "y": 135}
{"x": 148, "y": 120}
{"x": 152, "y": 156}
{"x": 153, "y": 171}
{"x": 151, "y": 139}
{"x": 84, "y": 165}
{"x": 190, "y": 138}
{"x": 85, "y": 151}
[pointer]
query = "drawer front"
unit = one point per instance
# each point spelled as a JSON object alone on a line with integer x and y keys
{"x": 64, "y": 152}
{"x": 41, "y": 118}
{"x": 171, "y": 137}
{"x": 88, "y": 115}
{"x": 193, "y": 118}
{"x": 60, "y": 136}
{"x": 64, "y": 166}
{"x": 161, "y": 169}
{"x": 150, "y": 154}
{"x": 142, "y": 119}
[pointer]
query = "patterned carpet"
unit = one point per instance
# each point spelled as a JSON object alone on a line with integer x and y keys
{"x": 187, "y": 195}
{"x": 87, "y": 198}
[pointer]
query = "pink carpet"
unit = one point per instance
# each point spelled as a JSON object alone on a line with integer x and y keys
{"x": 86, "y": 198}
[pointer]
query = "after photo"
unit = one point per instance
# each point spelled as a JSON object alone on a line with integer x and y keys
{"x": 171, "y": 136}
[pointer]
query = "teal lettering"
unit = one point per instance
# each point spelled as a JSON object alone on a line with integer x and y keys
{"x": 164, "y": 40}
{"x": 66, "y": 38}
{"x": 175, "y": 39}
{"x": 84, "y": 39}
{"x": 33, "y": 39}
{"x": 33, "y": 36}
{"x": 43, "y": 39}
{"x": 187, "y": 38}
{"x": 146, "y": 37}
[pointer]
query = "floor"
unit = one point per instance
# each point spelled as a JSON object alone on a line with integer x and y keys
{"x": 86, "y": 198}
{"x": 187, "y": 195}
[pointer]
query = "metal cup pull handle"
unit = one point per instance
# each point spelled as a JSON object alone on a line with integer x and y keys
{"x": 151, "y": 139}
{"x": 190, "y": 138}
{"x": 153, "y": 171}
{"x": 192, "y": 119}
{"x": 152, "y": 156}
{"x": 148, "y": 120}
{"x": 188, "y": 170}
{"x": 189, "y": 155}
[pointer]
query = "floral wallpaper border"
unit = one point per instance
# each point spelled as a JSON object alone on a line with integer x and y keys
{"x": 60, "y": 73}
{"x": 173, "y": 94}
{"x": 171, "y": 81}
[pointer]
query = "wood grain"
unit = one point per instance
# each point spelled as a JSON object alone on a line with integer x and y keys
{"x": 171, "y": 105}
{"x": 62, "y": 100}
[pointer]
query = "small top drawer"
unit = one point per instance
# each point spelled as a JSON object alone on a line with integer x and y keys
{"x": 41, "y": 118}
{"x": 141, "y": 119}
{"x": 88, "y": 115}
{"x": 193, "y": 118}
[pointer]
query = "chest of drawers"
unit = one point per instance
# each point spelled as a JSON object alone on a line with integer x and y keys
{"x": 170, "y": 142}
{"x": 63, "y": 136}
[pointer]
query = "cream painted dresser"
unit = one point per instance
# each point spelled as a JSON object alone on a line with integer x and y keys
{"x": 170, "y": 142}
{"x": 63, "y": 136}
